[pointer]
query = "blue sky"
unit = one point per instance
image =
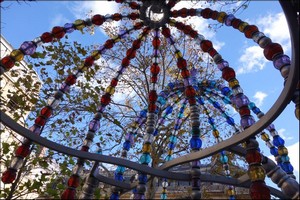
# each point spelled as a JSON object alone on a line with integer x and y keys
{"x": 261, "y": 82}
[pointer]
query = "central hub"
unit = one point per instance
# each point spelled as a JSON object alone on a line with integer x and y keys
{"x": 154, "y": 13}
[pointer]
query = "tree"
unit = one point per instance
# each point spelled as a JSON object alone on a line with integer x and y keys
{"x": 68, "y": 123}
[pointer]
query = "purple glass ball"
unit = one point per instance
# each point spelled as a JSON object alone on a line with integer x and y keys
{"x": 28, "y": 48}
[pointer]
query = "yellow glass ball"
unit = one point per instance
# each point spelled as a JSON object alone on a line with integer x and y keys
{"x": 233, "y": 82}
{"x": 265, "y": 136}
{"x": 242, "y": 26}
{"x": 79, "y": 24}
{"x": 116, "y": 38}
{"x": 146, "y": 148}
{"x": 141, "y": 37}
{"x": 216, "y": 133}
{"x": 221, "y": 17}
{"x": 96, "y": 55}
{"x": 172, "y": 22}
{"x": 17, "y": 55}
{"x": 178, "y": 54}
{"x": 204, "y": 83}
{"x": 256, "y": 173}
{"x": 110, "y": 90}
{"x": 135, "y": 125}
{"x": 170, "y": 152}
{"x": 230, "y": 192}
{"x": 164, "y": 190}
{"x": 282, "y": 151}
{"x": 82, "y": 68}
{"x": 205, "y": 111}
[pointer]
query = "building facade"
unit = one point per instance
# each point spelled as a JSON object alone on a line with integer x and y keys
{"x": 19, "y": 90}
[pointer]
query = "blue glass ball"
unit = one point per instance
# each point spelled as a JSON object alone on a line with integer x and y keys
{"x": 114, "y": 196}
{"x": 145, "y": 158}
{"x": 278, "y": 141}
{"x": 195, "y": 143}
{"x": 274, "y": 151}
{"x": 126, "y": 145}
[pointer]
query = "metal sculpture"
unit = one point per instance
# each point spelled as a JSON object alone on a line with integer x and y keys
{"x": 196, "y": 93}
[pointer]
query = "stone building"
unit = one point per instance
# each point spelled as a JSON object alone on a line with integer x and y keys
{"x": 16, "y": 101}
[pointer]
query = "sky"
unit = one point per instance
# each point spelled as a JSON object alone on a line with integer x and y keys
{"x": 261, "y": 82}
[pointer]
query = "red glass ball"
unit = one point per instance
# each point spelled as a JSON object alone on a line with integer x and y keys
{"x": 174, "y": 13}
{"x": 192, "y": 101}
{"x": 235, "y": 23}
{"x": 244, "y": 111}
{"x": 7, "y": 62}
{"x": 250, "y": 30}
{"x": 152, "y": 107}
{"x": 89, "y": 61}
{"x": 134, "y": 5}
{"x": 206, "y": 45}
{"x": 179, "y": 25}
{"x": 71, "y": 79}
{"x": 98, "y": 20}
{"x": 259, "y": 190}
{"x": 40, "y": 121}
{"x": 68, "y": 194}
{"x": 136, "y": 44}
{"x": 166, "y": 32}
{"x": 146, "y": 30}
{"x": 153, "y": 79}
{"x": 46, "y": 112}
{"x": 187, "y": 29}
{"x": 214, "y": 15}
{"x": 58, "y": 32}
{"x": 125, "y": 62}
{"x": 114, "y": 82}
{"x": 109, "y": 44}
{"x": 171, "y": 4}
{"x": 181, "y": 63}
{"x": 190, "y": 91}
{"x": 192, "y": 12}
{"x": 253, "y": 156}
{"x": 105, "y": 99}
{"x": 117, "y": 16}
{"x": 152, "y": 96}
{"x": 228, "y": 73}
{"x": 46, "y": 37}
{"x": 84, "y": 148}
{"x": 212, "y": 52}
{"x": 193, "y": 33}
{"x": 183, "y": 12}
{"x": 133, "y": 16}
{"x": 23, "y": 151}
{"x": 206, "y": 13}
{"x": 138, "y": 25}
{"x": 9, "y": 176}
{"x": 130, "y": 53}
{"x": 155, "y": 69}
{"x": 156, "y": 43}
{"x": 272, "y": 49}
{"x": 185, "y": 73}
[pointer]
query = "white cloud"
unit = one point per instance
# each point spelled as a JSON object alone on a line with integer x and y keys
{"x": 294, "y": 157}
{"x": 282, "y": 135}
{"x": 273, "y": 26}
{"x": 59, "y": 20}
{"x": 82, "y": 8}
{"x": 86, "y": 9}
{"x": 252, "y": 60}
{"x": 259, "y": 96}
